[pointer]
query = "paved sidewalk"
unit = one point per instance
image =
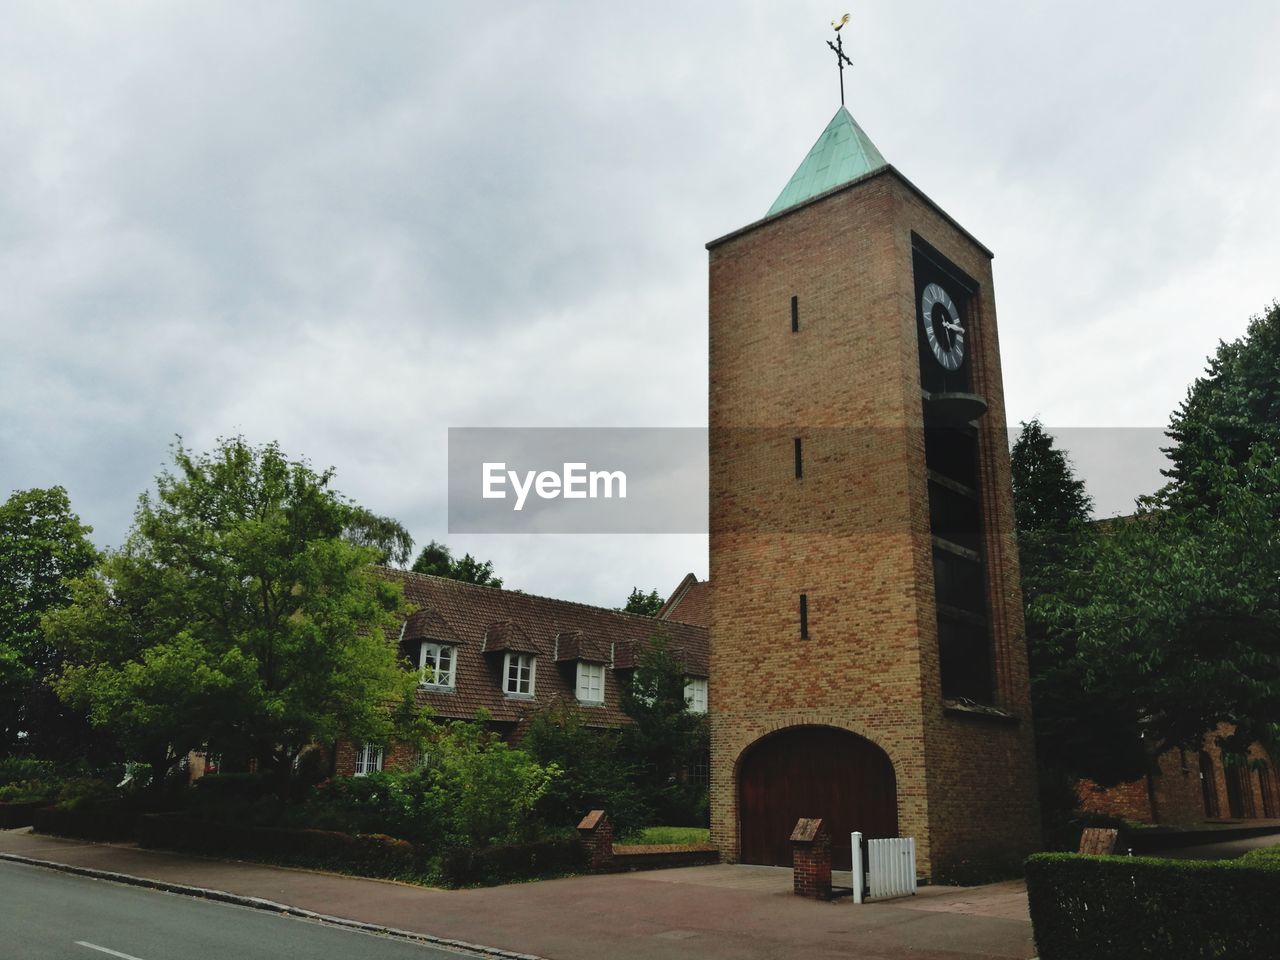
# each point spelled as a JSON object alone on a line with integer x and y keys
{"x": 696, "y": 913}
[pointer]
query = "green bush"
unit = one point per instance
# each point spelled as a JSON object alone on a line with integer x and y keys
{"x": 504, "y": 863}
{"x": 394, "y": 803}
{"x": 25, "y": 770}
{"x": 29, "y": 791}
{"x": 596, "y": 773}
{"x": 474, "y": 791}
{"x": 369, "y": 855}
{"x": 18, "y": 814}
{"x": 1266, "y": 856}
{"x": 102, "y": 821}
{"x": 1129, "y": 908}
{"x": 219, "y": 787}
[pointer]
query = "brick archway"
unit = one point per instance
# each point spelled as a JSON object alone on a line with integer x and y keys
{"x": 813, "y": 771}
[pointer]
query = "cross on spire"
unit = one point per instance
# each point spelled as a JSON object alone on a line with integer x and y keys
{"x": 838, "y": 47}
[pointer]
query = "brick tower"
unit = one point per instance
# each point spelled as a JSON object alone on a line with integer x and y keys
{"x": 868, "y": 661}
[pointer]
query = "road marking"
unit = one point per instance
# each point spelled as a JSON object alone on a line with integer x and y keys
{"x": 114, "y": 953}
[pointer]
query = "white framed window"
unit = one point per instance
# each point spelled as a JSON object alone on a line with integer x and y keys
{"x": 591, "y": 682}
{"x": 436, "y": 663}
{"x": 368, "y": 759}
{"x": 695, "y": 694}
{"x": 517, "y": 674}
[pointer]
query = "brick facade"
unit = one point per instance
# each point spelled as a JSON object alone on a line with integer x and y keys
{"x": 853, "y": 534}
{"x": 1173, "y": 793}
{"x": 811, "y": 860}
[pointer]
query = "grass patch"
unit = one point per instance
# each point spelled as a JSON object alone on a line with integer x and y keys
{"x": 652, "y": 836}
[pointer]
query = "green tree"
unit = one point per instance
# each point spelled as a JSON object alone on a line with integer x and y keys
{"x": 1179, "y": 606}
{"x": 644, "y": 604}
{"x": 1228, "y": 414}
{"x": 242, "y": 610}
{"x": 664, "y": 739}
{"x": 486, "y": 790}
{"x": 597, "y": 771}
{"x": 43, "y": 547}
{"x": 1085, "y": 723}
{"x": 1183, "y": 610}
{"x": 436, "y": 560}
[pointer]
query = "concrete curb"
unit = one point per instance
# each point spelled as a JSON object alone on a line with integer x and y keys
{"x": 271, "y": 906}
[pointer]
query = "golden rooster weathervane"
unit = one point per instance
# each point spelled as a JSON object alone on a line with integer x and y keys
{"x": 838, "y": 47}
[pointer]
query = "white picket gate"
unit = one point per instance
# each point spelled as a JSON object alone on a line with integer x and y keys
{"x": 890, "y": 867}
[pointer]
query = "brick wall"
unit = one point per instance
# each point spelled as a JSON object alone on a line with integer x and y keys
{"x": 396, "y": 756}
{"x": 1175, "y": 784}
{"x": 853, "y": 534}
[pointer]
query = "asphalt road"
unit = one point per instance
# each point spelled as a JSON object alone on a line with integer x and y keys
{"x": 46, "y": 915}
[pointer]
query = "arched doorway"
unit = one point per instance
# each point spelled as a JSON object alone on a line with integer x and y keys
{"x": 813, "y": 772}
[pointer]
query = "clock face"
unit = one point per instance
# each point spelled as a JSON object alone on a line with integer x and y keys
{"x": 942, "y": 327}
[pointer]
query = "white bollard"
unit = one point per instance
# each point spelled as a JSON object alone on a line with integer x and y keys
{"x": 855, "y": 839}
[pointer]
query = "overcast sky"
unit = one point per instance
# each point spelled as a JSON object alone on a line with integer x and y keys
{"x": 350, "y": 226}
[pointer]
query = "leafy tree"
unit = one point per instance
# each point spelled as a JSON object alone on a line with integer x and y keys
{"x": 1179, "y": 606}
{"x": 242, "y": 610}
{"x": 664, "y": 738}
{"x": 436, "y": 560}
{"x": 1085, "y": 723}
{"x": 1184, "y": 613}
{"x": 644, "y": 604}
{"x": 43, "y": 547}
{"x": 1228, "y": 414}
{"x": 597, "y": 773}
{"x": 489, "y": 791}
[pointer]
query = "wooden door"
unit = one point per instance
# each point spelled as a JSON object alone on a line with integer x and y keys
{"x": 813, "y": 772}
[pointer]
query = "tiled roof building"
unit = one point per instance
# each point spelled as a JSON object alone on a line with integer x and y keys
{"x": 511, "y": 653}
{"x": 689, "y": 603}
{"x": 485, "y": 628}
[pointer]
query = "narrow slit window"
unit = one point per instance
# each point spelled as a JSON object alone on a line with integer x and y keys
{"x": 799, "y": 460}
{"x": 795, "y": 314}
{"x": 804, "y": 616}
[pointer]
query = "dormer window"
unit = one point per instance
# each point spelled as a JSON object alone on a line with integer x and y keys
{"x": 436, "y": 662}
{"x": 590, "y": 682}
{"x": 518, "y": 674}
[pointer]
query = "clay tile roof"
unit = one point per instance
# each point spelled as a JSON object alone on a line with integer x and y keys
{"x": 426, "y": 624}
{"x": 576, "y": 645}
{"x": 482, "y": 619}
{"x": 689, "y": 603}
{"x": 504, "y": 635}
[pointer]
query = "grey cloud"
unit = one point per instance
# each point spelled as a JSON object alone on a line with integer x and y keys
{"x": 349, "y": 227}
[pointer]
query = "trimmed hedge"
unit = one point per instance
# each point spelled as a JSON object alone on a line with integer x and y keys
{"x": 462, "y": 867}
{"x": 103, "y": 822}
{"x": 369, "y": 855}
{"x": 1128, "y": 908}
{"x": 18, "y": 814}
{"x": 221, "y": 787}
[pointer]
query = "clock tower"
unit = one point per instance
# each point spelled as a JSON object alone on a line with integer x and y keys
{"x": 868, "y": 659}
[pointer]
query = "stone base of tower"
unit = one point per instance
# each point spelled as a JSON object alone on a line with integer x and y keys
{"x": 971, "y": 805}
{"x": 984, "y": 814}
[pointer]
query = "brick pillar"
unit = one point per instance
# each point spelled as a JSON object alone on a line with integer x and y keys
{"x": 811, "y": 859}
{"x": 597, "y": 836}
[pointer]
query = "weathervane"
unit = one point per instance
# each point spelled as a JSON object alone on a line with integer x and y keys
{"x": 838, "y": 47}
